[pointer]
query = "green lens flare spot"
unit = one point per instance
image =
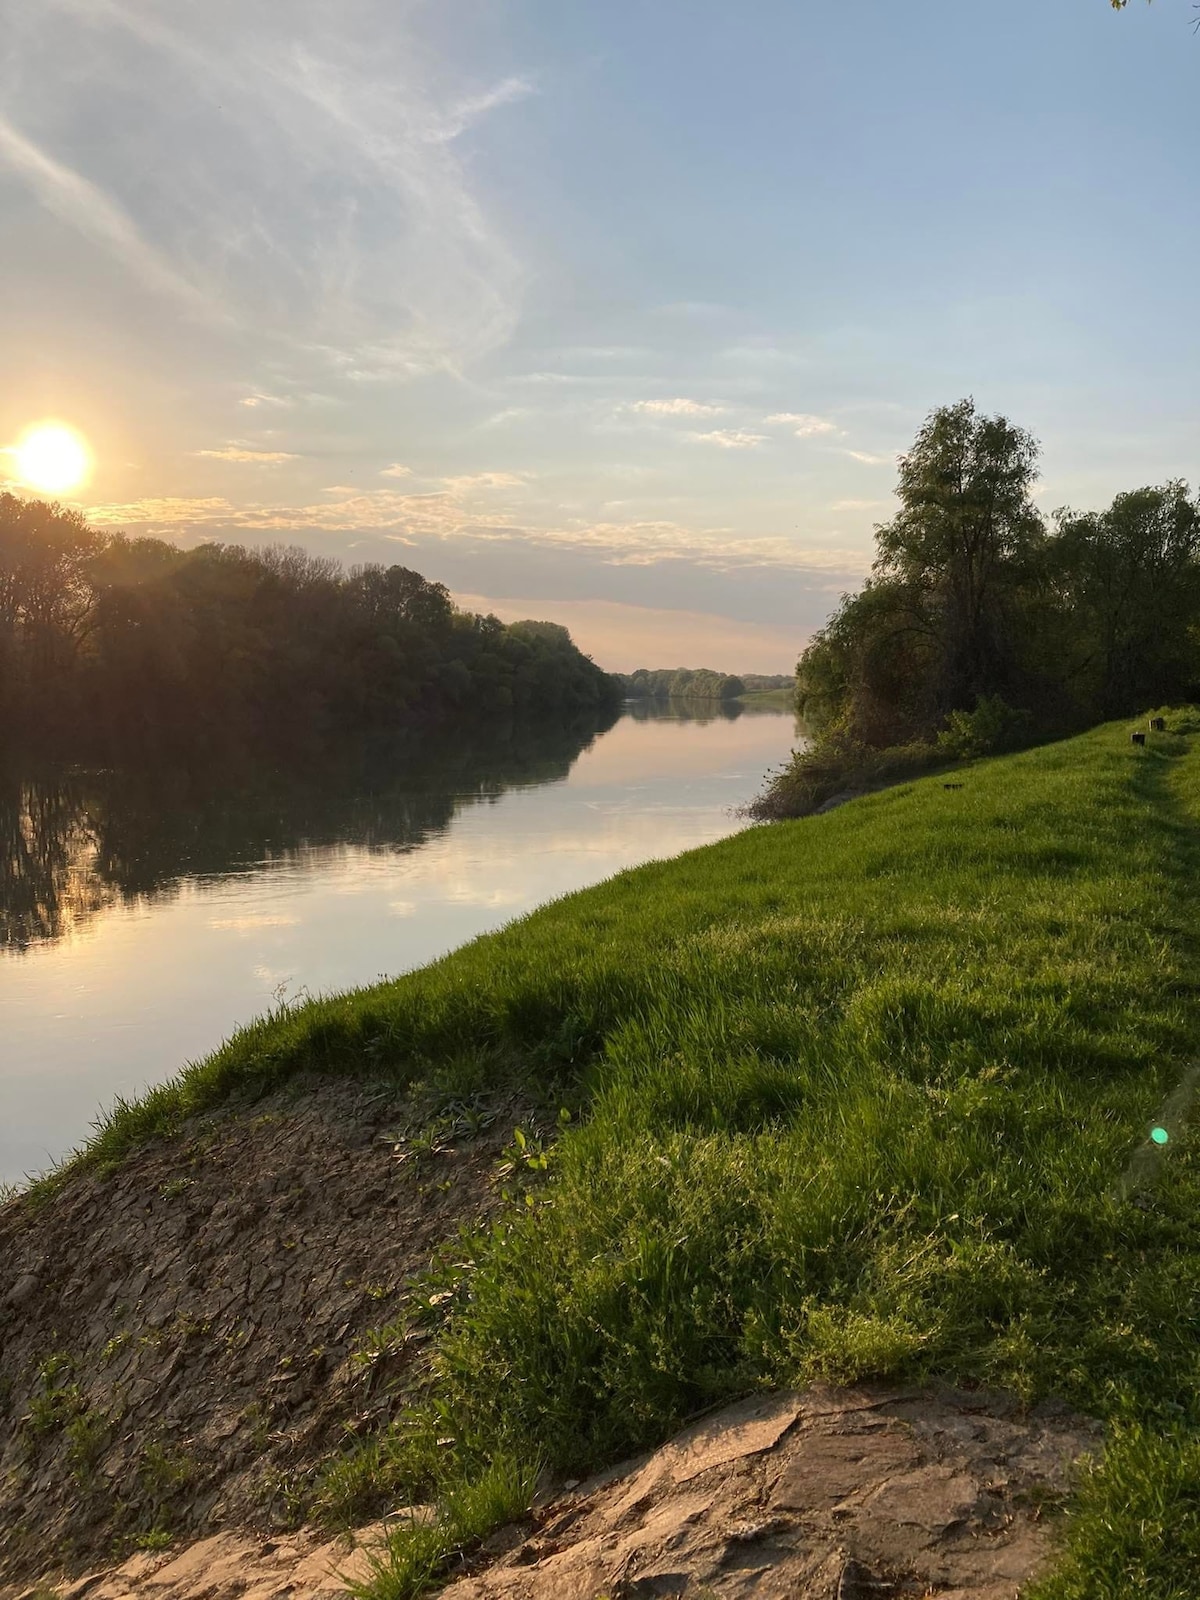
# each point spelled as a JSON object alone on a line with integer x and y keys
{"x": 1160, "y": 1135}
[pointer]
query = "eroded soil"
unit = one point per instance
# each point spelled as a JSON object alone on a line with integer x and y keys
{"x": 176, "y": 1339}
{"x": 853, "y": 1494}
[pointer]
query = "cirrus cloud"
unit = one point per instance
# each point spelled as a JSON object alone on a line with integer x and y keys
{"x": 729, "y": 439}
{"x": 679, "y": 407}
{"x": 804, "y": 424}
{"x": 237, "y": 452}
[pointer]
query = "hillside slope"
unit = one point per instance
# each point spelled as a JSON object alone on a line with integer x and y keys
{"x": 864, "y": 1096}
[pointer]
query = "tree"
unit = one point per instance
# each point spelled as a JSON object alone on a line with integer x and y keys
{"x": 966, "y": 536}
{"x": 1131, "y": 578}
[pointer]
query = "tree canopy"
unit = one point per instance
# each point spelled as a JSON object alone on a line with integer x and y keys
{"x": 976, "y": 601}
{"x": 681, "y": 683}
{"x": 108, "y": 643}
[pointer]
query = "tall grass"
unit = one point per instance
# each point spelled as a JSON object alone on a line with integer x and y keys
{"x": 853, "y": 1097}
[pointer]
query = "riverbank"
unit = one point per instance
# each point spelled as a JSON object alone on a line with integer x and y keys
{"x": 850, "y": 1098}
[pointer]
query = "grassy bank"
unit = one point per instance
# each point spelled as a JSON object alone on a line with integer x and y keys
{"x": 851, "y": 1096}
{"x": 769, "y": 699}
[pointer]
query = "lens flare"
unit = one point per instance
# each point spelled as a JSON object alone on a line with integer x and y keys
{"x": 1159, "y": 1135}
{"x": 52, "y": 457}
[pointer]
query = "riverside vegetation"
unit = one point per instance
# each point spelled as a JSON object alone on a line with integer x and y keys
{"x": 847, "y": 1097}
{"x": 983, "y": 627}
{"x": 111, "y": 646}
{"x": 702, "y": 683}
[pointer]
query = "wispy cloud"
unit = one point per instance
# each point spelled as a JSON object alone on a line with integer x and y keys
{"x": 164, "y": 511}
{"x": 472, "y": 107}
{"x": 729, "y": 439}
{"x": 467, "y": 482}
{"x": 803, "y": 423}
{"x": 676, "y": 408}
{"x": 82, "y": 204}
{"x": 396, "y": 470}
{"x": 455, "y": 511}
{"x": 858, "y": 505}
{"x": 254, "y": 400}
{"x": 308, "y": 187}
{"x": 237, "y": 452}
{"x": 867, "y": 459}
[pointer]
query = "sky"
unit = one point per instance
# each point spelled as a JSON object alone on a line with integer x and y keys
{"x": 608, "y": 312}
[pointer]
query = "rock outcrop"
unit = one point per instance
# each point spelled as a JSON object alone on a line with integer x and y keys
{"x": 854, "y": 1494}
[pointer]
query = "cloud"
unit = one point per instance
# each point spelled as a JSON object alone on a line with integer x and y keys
{"x": 509, "y": 414}
{"x": 729, "y": 439}
{"x": 469, "y": 110}
{"x": 450, "y": 514}
{"x": 676, "y": 408}
{"x": 858, "y": 505}
{"x": 237, "y": 452}
{"x": 307, "y": 184}
{"x": 806, "y": 426}
{"x": 396, "y": 470}
{"x": 265, "y": 400}
{"x": 83, "y": 205}
{"x": 869, "y": 460}
{"x": 486, "y": 480}
{"x": 164, "y": 511}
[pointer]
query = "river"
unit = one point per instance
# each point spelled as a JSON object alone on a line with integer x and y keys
{"x": 145, "y": 916}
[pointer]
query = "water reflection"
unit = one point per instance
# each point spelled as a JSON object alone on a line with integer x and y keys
{"x": 681, "y": 709}
{"x": 75, "y": 844}
{"x": 144, "y": 916}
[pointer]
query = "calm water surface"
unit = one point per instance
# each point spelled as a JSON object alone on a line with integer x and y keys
{"x": 141, "y": 920}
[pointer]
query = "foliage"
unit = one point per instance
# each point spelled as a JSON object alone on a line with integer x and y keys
{"x": 975, "y": 603}
{"x": 684, "y": 683}
{"x": 853, "y": 1096}
{"x": 993, "y": 726}
{"x": 837, "y": 768}
{"x": 418, "y": 1553}
{"x": 109, "y": 643}
{"x": 1136, "y": 1529}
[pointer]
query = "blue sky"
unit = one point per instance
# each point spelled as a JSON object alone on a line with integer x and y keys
{"x": 614, "y": 313}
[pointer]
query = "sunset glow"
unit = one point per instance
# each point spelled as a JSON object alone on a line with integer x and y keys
{"x": 52, "y": 458}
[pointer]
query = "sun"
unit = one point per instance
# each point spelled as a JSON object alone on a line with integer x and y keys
{"x": 52, "y": 457}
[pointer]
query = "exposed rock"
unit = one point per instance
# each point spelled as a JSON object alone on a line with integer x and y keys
{"x": 830, "y": 1495}
{"x": 852, "y": 1494}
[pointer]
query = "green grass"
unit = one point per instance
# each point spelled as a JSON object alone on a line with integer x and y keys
{"x": 853, "y": 1098}
{"x": 417, "y": 1554}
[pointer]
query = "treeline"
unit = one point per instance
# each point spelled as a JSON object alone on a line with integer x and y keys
{"x": 984, "y": 625}
{"x": 108, "y": 642}
{"x": 687, "y": 683}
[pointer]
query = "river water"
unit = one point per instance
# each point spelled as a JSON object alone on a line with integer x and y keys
{"x": 145, "y": 916}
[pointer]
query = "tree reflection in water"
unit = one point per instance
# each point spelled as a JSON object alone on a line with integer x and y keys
{"x": 74, "y": 843}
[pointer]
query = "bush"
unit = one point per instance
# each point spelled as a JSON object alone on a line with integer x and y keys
{"x": 992, "y": 727}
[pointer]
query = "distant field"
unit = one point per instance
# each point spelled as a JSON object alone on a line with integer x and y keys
{"x": 850, "y": 1097}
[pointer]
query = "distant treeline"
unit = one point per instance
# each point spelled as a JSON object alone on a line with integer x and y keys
{"x": 699, "y": 683}
{"x": 985, "y": 625}
{"x": 108, "y": 642}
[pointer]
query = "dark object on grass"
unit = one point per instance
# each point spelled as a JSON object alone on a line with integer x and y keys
{"x": 952, "y": 786}
{"x": 1159, "y": 724}
{"x": 1138, "y": 738}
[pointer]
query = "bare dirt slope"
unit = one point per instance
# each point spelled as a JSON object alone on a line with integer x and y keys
{"x": 175, "y": 1338}
{"x": 852, "y": 1494}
